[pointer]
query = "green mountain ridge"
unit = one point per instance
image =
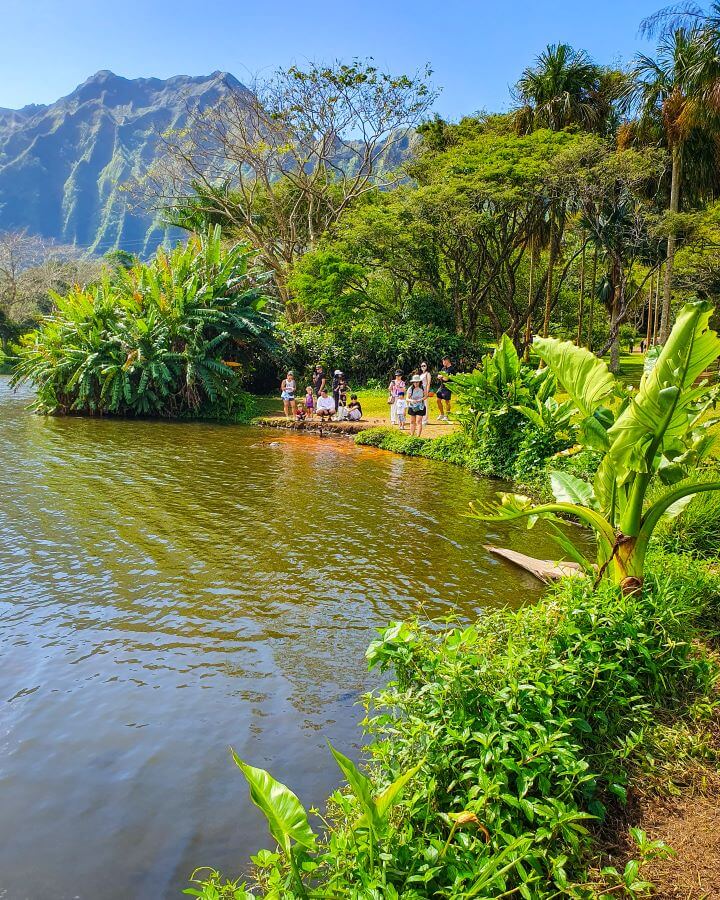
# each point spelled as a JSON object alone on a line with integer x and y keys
{"x": 63, "y": 166}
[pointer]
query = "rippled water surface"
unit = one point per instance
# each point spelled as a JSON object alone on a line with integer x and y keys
{"x": 168, "y": 591}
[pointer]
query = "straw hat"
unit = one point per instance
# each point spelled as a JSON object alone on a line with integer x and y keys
{"x": 416, "y": 378}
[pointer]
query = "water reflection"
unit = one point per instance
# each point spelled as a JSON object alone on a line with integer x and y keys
{"x": 167, "y": 591}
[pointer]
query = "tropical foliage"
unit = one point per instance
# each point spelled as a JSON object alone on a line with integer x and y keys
{"x": 657, "y": 432}
{"x": 170, "y": 338}
{"x": 509, "y": 415}
{"x": 498, "y": 747}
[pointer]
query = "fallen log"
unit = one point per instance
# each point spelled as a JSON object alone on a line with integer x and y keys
{"x": 544, "y": 569}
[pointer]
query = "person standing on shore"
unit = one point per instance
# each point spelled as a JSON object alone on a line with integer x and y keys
{"x": 287, "y": 394}
{"x": 426, "y": 382}
{"x": 394, "y": 388}
{"x": 416, "y": 405}
{"x": 318, "y": 380}
{"x": 337, "y": 379}
{"x": 444, "y": 394}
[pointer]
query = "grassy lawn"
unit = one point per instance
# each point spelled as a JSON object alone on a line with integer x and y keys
{"x": 373, "y": 402}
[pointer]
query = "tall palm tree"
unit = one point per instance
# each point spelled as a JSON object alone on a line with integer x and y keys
{"x": 564, "y": 88}
{"x": 674, "y": 93}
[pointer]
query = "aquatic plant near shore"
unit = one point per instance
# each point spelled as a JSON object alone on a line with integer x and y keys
{"x": 153, "y": 340}
{"x": 655, "y": 433}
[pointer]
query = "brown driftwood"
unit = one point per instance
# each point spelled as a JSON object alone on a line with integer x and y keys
{"x": 544, "y": 569}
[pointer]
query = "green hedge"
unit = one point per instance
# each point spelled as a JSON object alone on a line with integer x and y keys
{"x": 452, "y": 448}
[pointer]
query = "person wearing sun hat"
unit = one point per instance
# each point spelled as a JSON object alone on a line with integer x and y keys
{"x": 416, "y": 405}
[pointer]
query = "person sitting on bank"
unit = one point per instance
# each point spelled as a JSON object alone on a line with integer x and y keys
{"x": 325, "y": 407}
{"x": 354, "y": 409}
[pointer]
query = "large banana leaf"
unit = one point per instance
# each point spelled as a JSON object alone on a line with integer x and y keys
{"x": 285, "y": 814}
{"x": 664, "y": 408}
{"x": 586, "y": 378}
{"x": 507, "y": 360}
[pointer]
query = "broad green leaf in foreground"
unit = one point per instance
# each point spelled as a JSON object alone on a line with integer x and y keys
{"x": 286, "y": 816}
{"x": 586, "y": 378}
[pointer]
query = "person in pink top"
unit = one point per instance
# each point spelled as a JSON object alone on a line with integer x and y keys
{"x": 394, "y": 388}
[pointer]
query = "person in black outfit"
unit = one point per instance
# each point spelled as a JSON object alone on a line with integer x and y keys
{"x": 318, "y": 380}
{"x": 338, "y": 377}
{"x": 443, "y": 393}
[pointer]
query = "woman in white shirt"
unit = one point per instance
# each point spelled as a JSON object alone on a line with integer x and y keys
{"x": 287, "y": 394}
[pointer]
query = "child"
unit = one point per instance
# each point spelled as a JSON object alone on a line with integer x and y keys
{"x": 400, "y": 408}
{"x": 300, "y": 413}
{"x": 309, "y": 402}
{"x": 354, "y": 409}
{"x": 394, "y": 388}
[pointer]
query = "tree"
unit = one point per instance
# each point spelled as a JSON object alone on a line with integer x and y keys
{"x": 671, "y": 92}
{"x": 31, "y": 268}
{"x": 281, "y": 163}
{"x": 564, "y": 88}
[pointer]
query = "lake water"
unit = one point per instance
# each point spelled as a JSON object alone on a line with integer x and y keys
{"x": 169, "y": 591}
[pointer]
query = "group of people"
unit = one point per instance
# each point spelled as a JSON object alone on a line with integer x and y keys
{"x": 411, "y": 401}
{"x": 318, "y": 400}
{"x": 406, "y": 401}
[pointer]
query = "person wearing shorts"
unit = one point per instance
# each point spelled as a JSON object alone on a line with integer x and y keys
{"x": 416, "y": 405}
{"x": 287, "y": 395}
{"x": 443, "y": 393}
{"x": 426, "y": 381}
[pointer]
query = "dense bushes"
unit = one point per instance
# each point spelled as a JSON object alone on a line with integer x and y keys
{"x": 527, "y": 726}
{"x": 372, "y": 349}
{"x": 509, "y": 415}
{"x": 153, "y": 340}
{"x": 451, "y": 448}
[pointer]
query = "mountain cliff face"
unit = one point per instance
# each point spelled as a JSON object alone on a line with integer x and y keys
{"x": 62, "y": 166}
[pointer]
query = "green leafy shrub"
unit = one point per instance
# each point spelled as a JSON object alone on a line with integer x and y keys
{"x": 452, "y": 448}
{"x": 510, "y": 737}
{"x": 371, "y": 348}
{"x": 696, "y": 529}
{"x": 153, "y": 340}
{"x": 508, "y": 414}
{"x": 657, "y": 434}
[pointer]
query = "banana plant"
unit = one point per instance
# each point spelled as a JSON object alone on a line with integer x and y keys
{"x": 656, "y": 432}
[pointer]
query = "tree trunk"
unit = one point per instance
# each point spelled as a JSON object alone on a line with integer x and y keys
{"x": 614, "y": 313}
{"x": 591, "y": 318}
{"x": 581, "y": 308}
{"x": 657, "y": 307}
{"x": 649, "y": 323}
{"x": 671, "y": 242}
{"x": 549, "y": 285}
{"x": 528, "y": 324}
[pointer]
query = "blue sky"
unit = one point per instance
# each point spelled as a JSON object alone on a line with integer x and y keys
{"x": 477, "y": 49}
